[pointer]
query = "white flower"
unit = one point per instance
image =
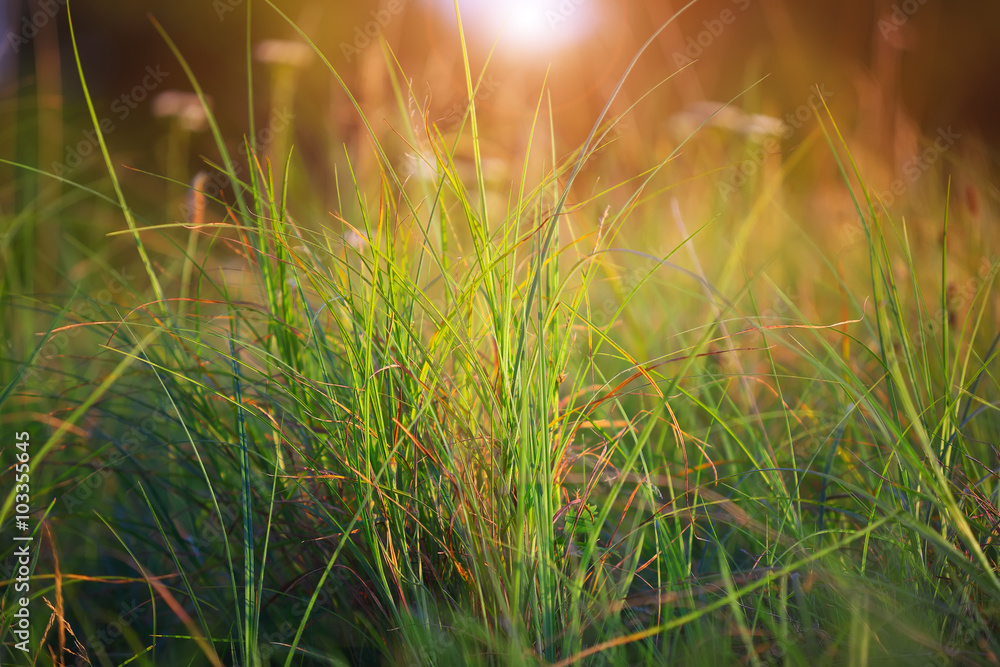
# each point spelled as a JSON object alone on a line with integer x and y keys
{"x": 759, "y": 126}
{"x": 356, "y": 240}
{"x": 283, "y": 52}
{"x": 182, "y": 105}
{"x": 421, "y": 166}
{"x": 708, "y": 113}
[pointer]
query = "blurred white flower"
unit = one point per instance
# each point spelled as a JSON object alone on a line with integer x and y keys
{"x": 760, "y": 126}
{"x": 421, "y": 166}
{"x": 708, "y": 113}
{"x": 356, "y": 240}
{"x": 426, "y": 166}
{"x": 182, "y": 105}
{"x": 283, "y": 52}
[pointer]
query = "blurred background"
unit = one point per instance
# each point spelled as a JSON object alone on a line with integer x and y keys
{"x": 718, "y": 129}
{"x": 933, "y": 59}
{"x": 911, "y": 83}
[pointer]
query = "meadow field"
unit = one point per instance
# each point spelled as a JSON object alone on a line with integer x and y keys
{"x": 467, "y": 349}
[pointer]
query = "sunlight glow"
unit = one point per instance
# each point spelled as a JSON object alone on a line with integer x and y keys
{"x": 529, "y": 27}
{"x": 526, "y": 22}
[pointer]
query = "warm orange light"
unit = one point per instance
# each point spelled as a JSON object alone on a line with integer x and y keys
{"x": 529, "y": 27}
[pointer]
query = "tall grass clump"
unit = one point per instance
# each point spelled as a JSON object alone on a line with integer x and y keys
{"x": 433, "y": 430}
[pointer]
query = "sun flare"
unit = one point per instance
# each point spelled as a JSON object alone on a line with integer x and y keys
{"x": 525, "y": 26}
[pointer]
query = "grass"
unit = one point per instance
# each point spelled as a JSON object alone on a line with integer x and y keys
{"x": 501, "y": 426}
